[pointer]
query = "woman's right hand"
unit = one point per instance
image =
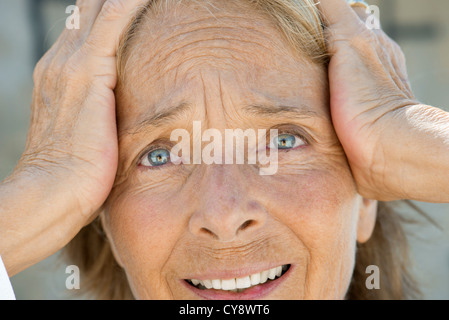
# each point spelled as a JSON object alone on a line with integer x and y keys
{"x": 70, "y": 161}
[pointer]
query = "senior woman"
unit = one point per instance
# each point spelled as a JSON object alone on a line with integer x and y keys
{"x": 350, "y": 133}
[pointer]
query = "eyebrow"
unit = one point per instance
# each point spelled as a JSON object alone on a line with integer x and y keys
{"x": 262, "y": 110}
{"x": 281, "y": 111}
{"x": 160, "y": 118}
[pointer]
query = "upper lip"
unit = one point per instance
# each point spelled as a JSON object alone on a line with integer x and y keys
{"x": 230, "y": 273}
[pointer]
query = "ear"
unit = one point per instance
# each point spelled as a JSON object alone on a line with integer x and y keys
{"x": 367, "y": 220}
{"x": 105, "y": 226}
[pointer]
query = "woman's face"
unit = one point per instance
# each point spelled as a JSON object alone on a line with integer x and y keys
{"x": 172, "y": 223}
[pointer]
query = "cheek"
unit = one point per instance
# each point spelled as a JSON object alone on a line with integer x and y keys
{"x": 312, "y": 193}
{"x": 320, "y": 208}
{"x": 315, "y": 203}
{"x": 144, "y": 229}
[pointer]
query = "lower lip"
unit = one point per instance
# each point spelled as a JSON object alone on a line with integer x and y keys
{"x": 253, "y": 293}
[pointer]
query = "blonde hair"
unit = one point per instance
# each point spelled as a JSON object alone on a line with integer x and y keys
{"x": 299, "y": 21}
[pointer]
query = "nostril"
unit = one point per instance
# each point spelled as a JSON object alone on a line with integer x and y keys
{"x": 246, "y": 225}
{"x": 208, "y": 233}
{"x": 225, "y": 232}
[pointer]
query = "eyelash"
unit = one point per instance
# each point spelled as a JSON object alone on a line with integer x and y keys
{"x": 294, "y": 132}
{"x": 153, "y": 147}
{"x": 161, "y": 145}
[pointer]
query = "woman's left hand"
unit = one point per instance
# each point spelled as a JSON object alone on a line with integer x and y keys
{"x": 395, "y": 146}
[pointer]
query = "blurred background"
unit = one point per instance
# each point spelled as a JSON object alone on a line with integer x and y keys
{"x": 29, "y": 27}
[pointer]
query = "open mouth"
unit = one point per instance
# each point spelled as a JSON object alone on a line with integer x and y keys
{"x": 238, "y": 285}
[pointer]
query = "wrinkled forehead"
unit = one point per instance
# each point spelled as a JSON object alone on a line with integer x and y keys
{"x": 164, "y": 31}
{"x": 175, "y": 44}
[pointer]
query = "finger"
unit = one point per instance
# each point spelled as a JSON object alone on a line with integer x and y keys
{"x": 388, "y": 51}
{"x": 398, "y": 62}
{"x": 89, "y": 10}
{"x": 114, "y": 16}
{"x": 71, "y": 39}
{"x": 338, "y": 12}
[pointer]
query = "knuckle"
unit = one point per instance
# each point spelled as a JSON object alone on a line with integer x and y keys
{"x": 72, "y": 65}
{"x": 59, "y": 74}
{"x": 48, "y": 82}
{"x": 399, "y": 54}
{"x": 71, "y": 72}
{"x": 68, "y": 72}
{"x": 54, "y": 69}
{"x": 47, "y": 78}
{"x": 397, "y": 49}
{"x": 79, "y": 62}
{"x": 386, "y": 39}
{"x": 88, "y": 46}
{"x": 394, "y": 48}
{"x": 40, "y": 68}
{"x": 38, "y": 71}
{"x": 55, "y": 63}
{"x": 75, "y": 74}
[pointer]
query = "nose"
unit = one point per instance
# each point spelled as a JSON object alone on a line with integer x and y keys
{"x": 227, "y": 210}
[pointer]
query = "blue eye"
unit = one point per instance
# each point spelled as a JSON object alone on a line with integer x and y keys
{"x": 156, "y": 158}
{"x": 286, "y": 141}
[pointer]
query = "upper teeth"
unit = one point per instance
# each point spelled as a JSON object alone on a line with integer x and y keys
{"x": 240, "y": 283}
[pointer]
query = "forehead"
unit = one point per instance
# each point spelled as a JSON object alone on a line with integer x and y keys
{"x": 190, "y": 46}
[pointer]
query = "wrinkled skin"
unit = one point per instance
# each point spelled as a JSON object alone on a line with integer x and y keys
{"x": 177, "y": 222}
